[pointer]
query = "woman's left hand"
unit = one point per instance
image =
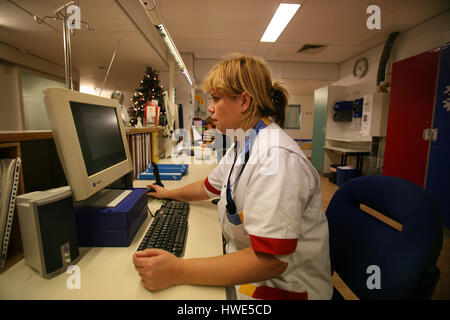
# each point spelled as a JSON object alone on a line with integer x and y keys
{"x": 158, "y": 269}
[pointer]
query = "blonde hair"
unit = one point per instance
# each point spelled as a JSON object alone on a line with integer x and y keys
{"x": 251, "y": 74}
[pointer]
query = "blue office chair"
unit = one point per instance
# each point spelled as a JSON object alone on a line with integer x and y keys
{"x": 406, "y": 259}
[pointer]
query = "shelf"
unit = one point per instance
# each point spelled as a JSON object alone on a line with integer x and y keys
{"x": 347, "y": 150}
{"x": 349, "y": 140}
{"x": 134, "y": 130}
{"x": 25, "y": 135}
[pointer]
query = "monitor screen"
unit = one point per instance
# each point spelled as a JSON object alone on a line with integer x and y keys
{"x": 90, "y": 139}
{"x": 99, "y": 136}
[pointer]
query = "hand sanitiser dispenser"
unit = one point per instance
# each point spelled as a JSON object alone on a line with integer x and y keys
{"x": 47, "y": 225}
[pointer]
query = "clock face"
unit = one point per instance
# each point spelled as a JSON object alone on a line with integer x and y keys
{"x": 360, "y": 68}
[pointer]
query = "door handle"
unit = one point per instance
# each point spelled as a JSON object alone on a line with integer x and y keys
{"x": 433, "y": 135}
{"x": 426, "y": 134}
{"x": 430, "y": 135}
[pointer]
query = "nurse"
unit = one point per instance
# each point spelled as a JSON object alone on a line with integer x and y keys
{"x": 270, "y": 204}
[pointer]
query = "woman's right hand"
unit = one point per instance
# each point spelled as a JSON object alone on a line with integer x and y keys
{"x": 192, "y": 192}
{"x": 157, "y": 192}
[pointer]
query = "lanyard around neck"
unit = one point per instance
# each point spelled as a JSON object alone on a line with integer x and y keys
{"x": 231, "y": 206}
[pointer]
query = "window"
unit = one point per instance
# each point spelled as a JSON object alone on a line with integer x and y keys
{"x": 33, "y": 89}
{"x": 293, "y": 117}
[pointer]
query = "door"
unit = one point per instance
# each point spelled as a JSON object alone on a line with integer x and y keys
{"x": 410, "y": 113}
{"x": 320, "y": 122}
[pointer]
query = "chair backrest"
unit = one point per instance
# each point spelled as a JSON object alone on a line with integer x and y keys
{"x": 404, "y": 260}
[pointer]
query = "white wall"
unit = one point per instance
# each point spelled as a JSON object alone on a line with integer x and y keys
{"x": 358, "y": 87}
{"x": 185, "y": 93}
{"x": 430, "y": 34}
{"x": 280, "y": 70}
{"x": 10, "y": 107}
{"x": 289, "y": 73}
{"x": 307, "y": 116}
{"x": 17, "y": 57}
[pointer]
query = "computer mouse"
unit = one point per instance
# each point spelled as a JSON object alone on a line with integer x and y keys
{"x": 150, "y": 190}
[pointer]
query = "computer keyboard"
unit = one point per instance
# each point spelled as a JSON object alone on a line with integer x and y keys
{"x": 168, "y": 229}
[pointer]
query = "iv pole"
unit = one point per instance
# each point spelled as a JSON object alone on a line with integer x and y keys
{"x": 60, "y": 14}
{"x": 67, "y": 47}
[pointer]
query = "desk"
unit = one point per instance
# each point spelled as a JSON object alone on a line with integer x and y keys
{"x": 108, "y": 273}
{"x": 346, "y": 152}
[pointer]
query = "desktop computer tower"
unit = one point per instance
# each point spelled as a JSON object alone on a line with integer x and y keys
{"x": 47, "y": 225}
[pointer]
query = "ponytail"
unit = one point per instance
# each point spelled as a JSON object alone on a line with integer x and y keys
{"x": 279, "y": 98}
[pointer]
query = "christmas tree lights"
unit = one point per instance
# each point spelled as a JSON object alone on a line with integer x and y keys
{"x": 149, "y": 90}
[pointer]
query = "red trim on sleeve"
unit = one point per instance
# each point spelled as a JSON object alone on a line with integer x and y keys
{"x": 273, "y": 245}
{"x": 210, "y": 188}
{"x": 269, "y": 293}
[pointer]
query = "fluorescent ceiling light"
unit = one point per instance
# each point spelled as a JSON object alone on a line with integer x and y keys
{"x": 279, "y": 21}
{"x": 187, "y": 76}
{"x": 164, "y": 33}
{"x": 88, "y": 89}
{"x": 173, "y": 50}
{"x": 170, "y": 45}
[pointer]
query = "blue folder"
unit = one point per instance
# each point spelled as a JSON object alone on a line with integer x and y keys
{"x": 163, "y": 176}
{"x": 170, "y": 168}
{"x": 167, "y": 170}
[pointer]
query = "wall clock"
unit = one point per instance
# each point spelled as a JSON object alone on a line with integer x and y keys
{"x": 360, "y": 68}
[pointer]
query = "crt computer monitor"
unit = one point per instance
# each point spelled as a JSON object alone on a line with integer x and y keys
{"x": 90, "y": 140}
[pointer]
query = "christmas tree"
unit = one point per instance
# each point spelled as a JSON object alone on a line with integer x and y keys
{"x": 149, "y": 90}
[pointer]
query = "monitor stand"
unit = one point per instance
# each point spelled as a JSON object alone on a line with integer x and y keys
{"x": 105, "y": 198}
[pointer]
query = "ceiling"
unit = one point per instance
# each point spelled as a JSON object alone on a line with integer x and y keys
{"x": 207, "y": 29}
{"x": 213, "y": 28}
